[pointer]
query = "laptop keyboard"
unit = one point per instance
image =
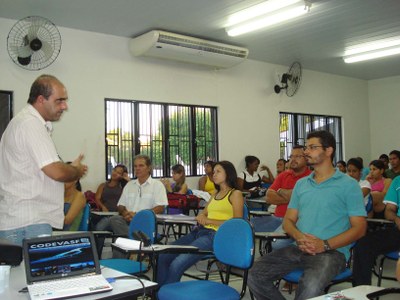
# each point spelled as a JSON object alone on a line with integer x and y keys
{"x": 67, "y": 287}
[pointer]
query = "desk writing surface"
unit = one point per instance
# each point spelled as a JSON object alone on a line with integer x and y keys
{"x": 260, "y": 213}
{"x": 356, "y": 293}
{"x": 95, "y": 232}
{"x": 121, "y": 287}
{"x": 179, "y": 217}
{"x": 104, "y": 213}
{"x": 381, "y": 221}
{"x": 257, "y": 200}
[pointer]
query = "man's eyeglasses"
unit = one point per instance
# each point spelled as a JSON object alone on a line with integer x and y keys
{"x": 312, "y": 147}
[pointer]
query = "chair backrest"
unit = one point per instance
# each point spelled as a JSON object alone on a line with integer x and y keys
{"x": 246, "y": 213}
{"x": 84, "y": 225}
{"x": 145, "y": 221}
{"x": 234, "y": 243}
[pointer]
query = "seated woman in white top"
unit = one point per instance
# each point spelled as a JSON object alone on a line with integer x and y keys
{"x": 354, "y": 169}
{"x": 250, "y": 180}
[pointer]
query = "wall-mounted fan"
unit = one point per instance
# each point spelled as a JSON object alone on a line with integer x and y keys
{"x": 290, "y": 81}
{"x": 34, "y": 43}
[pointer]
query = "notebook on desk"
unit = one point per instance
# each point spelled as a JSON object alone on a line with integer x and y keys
{"x": 63, "y": 266}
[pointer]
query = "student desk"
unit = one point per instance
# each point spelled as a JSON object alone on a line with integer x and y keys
{"x": 254, "y": 203}
{"x": 360, "y": 293}
{"x": 268, "y": 237}
{"x": 154, "y": 250}
{"x": 122, "y": 288}
{"x": 168, "y": 222}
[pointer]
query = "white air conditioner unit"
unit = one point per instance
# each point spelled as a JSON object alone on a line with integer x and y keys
{"x": 179, "y": 47}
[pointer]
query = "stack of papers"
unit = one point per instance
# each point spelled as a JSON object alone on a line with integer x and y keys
{"x": 132, "y": 245}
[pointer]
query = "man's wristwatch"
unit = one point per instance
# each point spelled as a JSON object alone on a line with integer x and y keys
{"x": 327, "y": 247}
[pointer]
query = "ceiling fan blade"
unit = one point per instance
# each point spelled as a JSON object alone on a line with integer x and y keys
{"x": 24, "y": 51}
{"x": 47, "y": 50}
{"x": 33, "y": 30}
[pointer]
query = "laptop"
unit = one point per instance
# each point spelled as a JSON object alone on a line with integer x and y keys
{"x": 63, "y": 266}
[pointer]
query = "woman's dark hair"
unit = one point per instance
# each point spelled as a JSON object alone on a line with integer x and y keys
{"x": 122, "y": 181}
{"x": 78, "y": 185}
{"x": 123, "y": 167}
{"x": 249, "y": 159}
{"x": 210, "y": 163}
{"x": 355, "y": 162}
{"x": 342, "y": 162}
{"x": 384, "y": 157}
{"x": 231, "y": 175}
{"x": 282, "y": 160}
{"x": 179, "y": 169}
{"x": 377, "y": 164}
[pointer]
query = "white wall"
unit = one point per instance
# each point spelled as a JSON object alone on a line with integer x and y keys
{"x": 384, "y": 103}
{"x": 96, "y": 66}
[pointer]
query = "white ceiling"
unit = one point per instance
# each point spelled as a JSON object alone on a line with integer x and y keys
{"x": 317, "y": 40}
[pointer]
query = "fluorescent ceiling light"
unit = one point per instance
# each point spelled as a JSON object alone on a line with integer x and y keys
{"x": 265, "y": 14}
{"x": 372, "y": 50}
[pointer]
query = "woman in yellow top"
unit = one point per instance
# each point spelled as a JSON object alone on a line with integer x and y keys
{"x": 227, "y": 203}
{"x": 206, "y": 182}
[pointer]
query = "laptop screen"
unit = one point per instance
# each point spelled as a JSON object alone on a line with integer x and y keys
{"x": 60, "y": 256}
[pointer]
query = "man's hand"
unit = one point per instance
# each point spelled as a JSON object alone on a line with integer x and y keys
{"x": 77, "y": 163}
{"x": 310, "y": 244}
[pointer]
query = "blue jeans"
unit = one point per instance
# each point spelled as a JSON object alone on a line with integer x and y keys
{"x": 104, "y": 224}
{"x": 172, "y": 266}
{"x": 17, "y": 235}
{"x": 318, "y": 272}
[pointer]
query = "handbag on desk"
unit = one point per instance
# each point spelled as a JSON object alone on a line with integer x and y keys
{"x": 183, "y": 203}
{"x": 257, "y": 193}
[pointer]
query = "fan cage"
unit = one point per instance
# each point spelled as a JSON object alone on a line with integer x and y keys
{"x": 45, "y": 31}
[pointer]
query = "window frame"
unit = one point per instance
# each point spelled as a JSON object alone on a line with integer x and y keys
{"x": 297, "y": 131}
{"x": 161, "y": 113}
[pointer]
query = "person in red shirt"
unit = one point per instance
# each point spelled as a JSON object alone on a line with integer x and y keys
{"x": 280, "y": 191}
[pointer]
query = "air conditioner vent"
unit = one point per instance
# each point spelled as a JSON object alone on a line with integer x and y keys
{"x": 168, "y": 45}
{"x": 202, "y": 46}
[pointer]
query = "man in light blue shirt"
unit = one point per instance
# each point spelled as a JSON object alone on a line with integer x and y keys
{"x": 325, "y": 216}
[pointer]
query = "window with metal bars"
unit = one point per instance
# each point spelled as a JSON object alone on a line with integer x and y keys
{"x": 6, "y": 112}
{"x": 293, "y": 130}
{"x": 168, "y": 133}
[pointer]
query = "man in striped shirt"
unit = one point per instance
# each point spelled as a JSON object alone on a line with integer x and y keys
{"x": 32, "y": 174}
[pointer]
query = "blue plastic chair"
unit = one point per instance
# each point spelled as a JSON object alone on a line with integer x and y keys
{"x": 84, "y": 225}
{"x": 229, "y": 250}
{"x": 395, "y": 255}
{"x": 145, "y": 221}
{"x": 211, "y": 258}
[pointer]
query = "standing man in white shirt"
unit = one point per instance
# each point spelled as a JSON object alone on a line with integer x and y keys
{"x": 32, "y": 174}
